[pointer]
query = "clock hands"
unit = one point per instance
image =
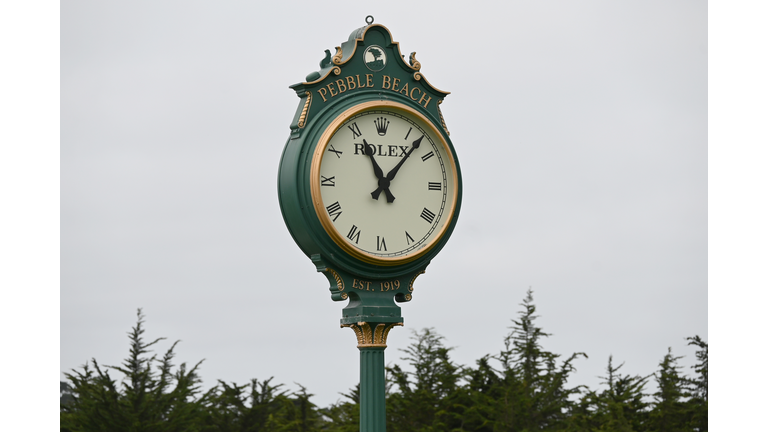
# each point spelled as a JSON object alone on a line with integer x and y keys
{"x": 384, "y": 182}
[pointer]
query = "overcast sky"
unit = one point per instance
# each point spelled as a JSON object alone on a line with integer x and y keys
{"x": 581, "y": 129}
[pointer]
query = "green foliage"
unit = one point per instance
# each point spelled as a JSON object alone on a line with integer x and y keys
{"x": 423, "y": 399}
{"x": 522, "y": 388}
{"x": 670, "y": 412}
{"x": 699, "y": 386}
{"x": 146, "y": 400}
{"x": 620, "y": 407}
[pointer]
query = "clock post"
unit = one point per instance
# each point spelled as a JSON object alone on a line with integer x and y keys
{"x": 370, "y": 189}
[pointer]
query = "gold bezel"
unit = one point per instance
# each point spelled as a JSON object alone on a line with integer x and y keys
{"x": 317, "y": 199}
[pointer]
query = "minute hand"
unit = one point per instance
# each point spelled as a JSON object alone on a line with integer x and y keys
{"x": 393, "y": 172}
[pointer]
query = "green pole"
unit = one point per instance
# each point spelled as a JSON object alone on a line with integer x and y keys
{"x": 372, "y": 392}
{"x": 372, "y": 341}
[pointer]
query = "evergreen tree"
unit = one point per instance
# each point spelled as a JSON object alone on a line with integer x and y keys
{"x": 670, "y": 412}
{"x": 620, "y": 407}
{"x": 147, "y": 400}
{"x": 423, "y": 398}
{"x": 533, "y": 395}
{"x": 699, "y": 401}
{"x": 344, "y": 416}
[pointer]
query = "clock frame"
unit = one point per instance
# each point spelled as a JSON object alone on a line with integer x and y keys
{"x": 387, "y": 215}
{"x": 368, "y": 71}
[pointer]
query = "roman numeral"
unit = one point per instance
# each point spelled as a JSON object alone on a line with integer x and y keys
{"x": 409, "y": 132}
{"x": 427, "y": 156}
{"x": 355, "y": 130}
{"x": 338, "y": 153}
{"x": 380, "y": 244}
{"x": 433, "y": 185}
{"x": 331, "y": 181}
{"x": 427, "y": 215}
{"x": 408, "y": 238}
{"x": 354, "y": 234}
{"x": 334, "y": 210}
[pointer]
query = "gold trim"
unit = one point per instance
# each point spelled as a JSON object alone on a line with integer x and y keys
{"x": 410, "y": 287}
{"x": 336, "y": 70}
{"x": 414, "y": 63}
{"x": 339, "y": 280}
{"x": 317, "y": 199}
{"x": 441, "y": 116}
{"x": 366, "y": 339}
{"x": 305, "y": 110}
{"x": 337, "y": 56}
{"x": 417, "y": 75}
{"x": 361, "y": 39}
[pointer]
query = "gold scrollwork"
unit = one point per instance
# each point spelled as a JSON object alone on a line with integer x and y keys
{"x": 305, "y": 110}
{"x": 410, "y": 286}
{"x": 417, "y": 76}
{"x": 441, "y": 117}
{"x": 336, "y": 70}
{"x": 414, "y": 63}
{"x": 337, "y": 56}
{"x": 339, "y": 280}
{"x": 368, "y": 338}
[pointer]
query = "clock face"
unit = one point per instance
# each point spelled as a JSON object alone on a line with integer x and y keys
{"x": 384, "y": 183}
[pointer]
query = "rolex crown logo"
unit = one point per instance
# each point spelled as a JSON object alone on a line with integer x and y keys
{"x": 381, "y": 125}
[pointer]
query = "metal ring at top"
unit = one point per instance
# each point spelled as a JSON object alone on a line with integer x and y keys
{"x": 369, "y": 19}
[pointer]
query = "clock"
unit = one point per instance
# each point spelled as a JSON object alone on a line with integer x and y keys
{"x": 384, "y": 183}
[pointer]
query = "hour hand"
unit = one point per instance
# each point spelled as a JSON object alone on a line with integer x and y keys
{"x": 369, "y": 150}
{"x": 383, "y": 181}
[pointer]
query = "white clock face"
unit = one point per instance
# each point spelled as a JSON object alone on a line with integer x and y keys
{"x": 385, "y": 183}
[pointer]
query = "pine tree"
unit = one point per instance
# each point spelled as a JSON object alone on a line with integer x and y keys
{"x": 534, "y": 395}
{"x": 670, "y": 412}
{"x": 423, "y": 400}
{"x": 146, "y": 400}
{"x": 621, "y": 407}
{"x": 699, "y": 401}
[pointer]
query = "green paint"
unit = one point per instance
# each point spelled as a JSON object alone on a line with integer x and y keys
{"x": 372, "y": 390}
{"x": 371, "y": 68}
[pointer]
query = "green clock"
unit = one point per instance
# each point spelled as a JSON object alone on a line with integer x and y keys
{"x": 384, "y": 183}
{"x": 369, "y": 182}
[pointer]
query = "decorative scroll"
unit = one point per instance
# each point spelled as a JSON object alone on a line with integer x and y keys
{"x": 410, "y": 287}
{"x": 336, "y": 70}
{"x": 337, "y": 56}
{"x": 305, "y": 110}
{"x": 414, "y": 63}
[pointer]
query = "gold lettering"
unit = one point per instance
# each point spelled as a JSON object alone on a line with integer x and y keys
{"x": 369, "y": 80}
{"x": 413, "y": 90}
{"x": 422, "y": 100}
{"x": 341, "y": 86}
{"x": 351, "y": 83}
{"x": 404, "y": 90}
{"x": 322, "y": 92}
{"x": 394, "y": 84}
{"x": 359, "y": 84}
{"x": 332, "y": 90}
{"x": 385, "y": 84}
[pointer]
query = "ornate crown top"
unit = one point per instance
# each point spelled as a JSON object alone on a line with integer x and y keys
{"x": 381, "y": 125}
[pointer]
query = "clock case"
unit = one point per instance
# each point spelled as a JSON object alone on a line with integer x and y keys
{"x": 363, "y": 283}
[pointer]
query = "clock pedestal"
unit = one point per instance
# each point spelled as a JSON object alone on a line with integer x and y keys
{"x": 372, "y": 341}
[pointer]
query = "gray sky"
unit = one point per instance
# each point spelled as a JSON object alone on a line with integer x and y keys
{"x": 581, "y": 129}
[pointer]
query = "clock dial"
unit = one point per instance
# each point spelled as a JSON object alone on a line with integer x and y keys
{"x": 384, "y": 183}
